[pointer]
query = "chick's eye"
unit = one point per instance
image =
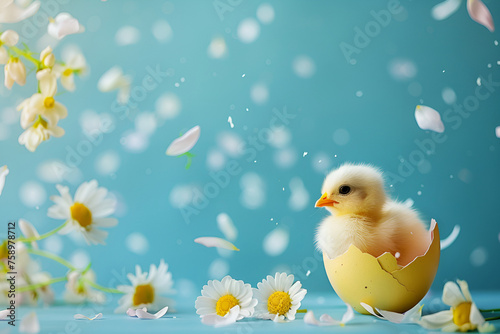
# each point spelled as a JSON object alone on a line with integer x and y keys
{"x": 344, "y": 190}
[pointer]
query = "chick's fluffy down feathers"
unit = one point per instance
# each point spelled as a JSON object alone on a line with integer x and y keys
{"x": 368, "y": 219}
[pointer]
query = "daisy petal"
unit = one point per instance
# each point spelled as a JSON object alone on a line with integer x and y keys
{"x": 428, "y": 119}
{"x": 4, "y": 314}
{"x": 327, "y": 320}
{"x": 29, "y": 324}
{"x": 310, "y": 319}
{"x": 218, "y": 321}
{"x": 13, "y": 13}
{"x": 82, "y": 317}
{"x": 215, "y": 242}
{"x": 370, "y": 310}
{"x": 279, "y": 318}
{"x": 445, "y": 9}
{"x": 475, "y": 316}
{"x": 143, "y": 314}
{"x": 445, "y": 243}
{"x": 29, "y": 231}
{"x": 3, "y": 173}
{"x": 348, "y": 315}
{"x": 486, "y": 328}
{"x": 185, "y": 142}
{"x": 452, "y": 295}
{"x": 464, "y": 287}
{"x": 480, "y": 13}
{"x": 436, "y": 320}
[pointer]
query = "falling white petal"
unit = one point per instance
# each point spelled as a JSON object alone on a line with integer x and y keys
{"x": 445, "y": 243}
{"x": 29, "y": 324}
{"x": 184, "y": 143}
{"x": 112, "y": 79}
{"x": 445, "y": 9}
{"x": 226, "y": 226}
{"x": 133, "y": 312}
{"x": 497, "y": 134}
{"x": 143, "y": 314}
{"x": 410, "y": 316}
{"x": 13, "y": 12}
{"x": 64, "y": 24}
{"x": 310, "y": 319}
{"x": 127, "y": 35}
{"x": 4, "y": 171}
{"x": 265, "y": 13}
{"x": 248, "y": 30}
{"x": 348, "y": 315}
{"x": 428, "y": 119}
{"x": 162, "y": 31}
{"x": 230, "y": 121}
{"x": 217, "y": 48}
{"x": 215, "y": 242}
{"x": 480, "y": 13}
{"x": 218, "y": 321}
{"x": 82, "y": 317}
{"x": 276, "y": 242}
{"x": 4, "y": 314}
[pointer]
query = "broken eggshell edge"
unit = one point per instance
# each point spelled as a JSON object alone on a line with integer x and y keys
{"x": 379, "y": 282}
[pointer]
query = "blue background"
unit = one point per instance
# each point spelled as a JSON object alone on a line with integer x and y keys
{"x": 458, "y": 184}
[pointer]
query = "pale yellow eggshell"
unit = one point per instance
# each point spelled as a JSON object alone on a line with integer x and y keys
{"x": 379, "y": 282}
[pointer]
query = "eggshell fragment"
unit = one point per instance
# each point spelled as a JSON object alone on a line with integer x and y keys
{"x": 359, "y": 277}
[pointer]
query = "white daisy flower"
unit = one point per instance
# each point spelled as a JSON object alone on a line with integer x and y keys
{"x": 463, "y": 315}
{"x": 219, "y": 297}
{"x": 278, "y": 297}
{"x": 78, "y": 290}
{"x": 147, "y": 289}
{"x": 86, "y": 213}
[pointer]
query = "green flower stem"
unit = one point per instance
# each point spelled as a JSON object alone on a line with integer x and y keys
{"x": 100, "y": 287}
{"x": 491, "y": 310}
{"x": 52, "y": 257}
{"x": 189, "y": 157}
{"x": 304, "y": 310}
{"x": 40, "y": 285}
{"x": 43, "y": 236}
{"x": 27, "y": 55}
{"x": 492, "y": 318}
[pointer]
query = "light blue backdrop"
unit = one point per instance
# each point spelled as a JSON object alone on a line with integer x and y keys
{"x": 374, "y": 110}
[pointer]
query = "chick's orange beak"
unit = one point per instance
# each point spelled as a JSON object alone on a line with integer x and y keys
{"x": 325, "y": 201}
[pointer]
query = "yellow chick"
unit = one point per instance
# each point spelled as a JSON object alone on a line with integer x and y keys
{"x": 363, "y": 215}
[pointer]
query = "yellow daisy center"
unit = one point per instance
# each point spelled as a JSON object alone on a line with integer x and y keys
{"x": 279, "y": 303}
{"x": 81, "y": 214}
{"x": 3, "y": 250}
{"x": 144, "y": 294}
{"x": 461, "y": 313}
{"x": 67, "y": 72}
{"x": 225, "y": 303}
{"x": 49, "y": 102}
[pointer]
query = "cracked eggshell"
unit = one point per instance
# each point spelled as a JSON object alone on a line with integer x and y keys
{"x": 379, "y": 282}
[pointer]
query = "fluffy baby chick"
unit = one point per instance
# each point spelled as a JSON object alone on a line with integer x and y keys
{"x": 363, "y": 215}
